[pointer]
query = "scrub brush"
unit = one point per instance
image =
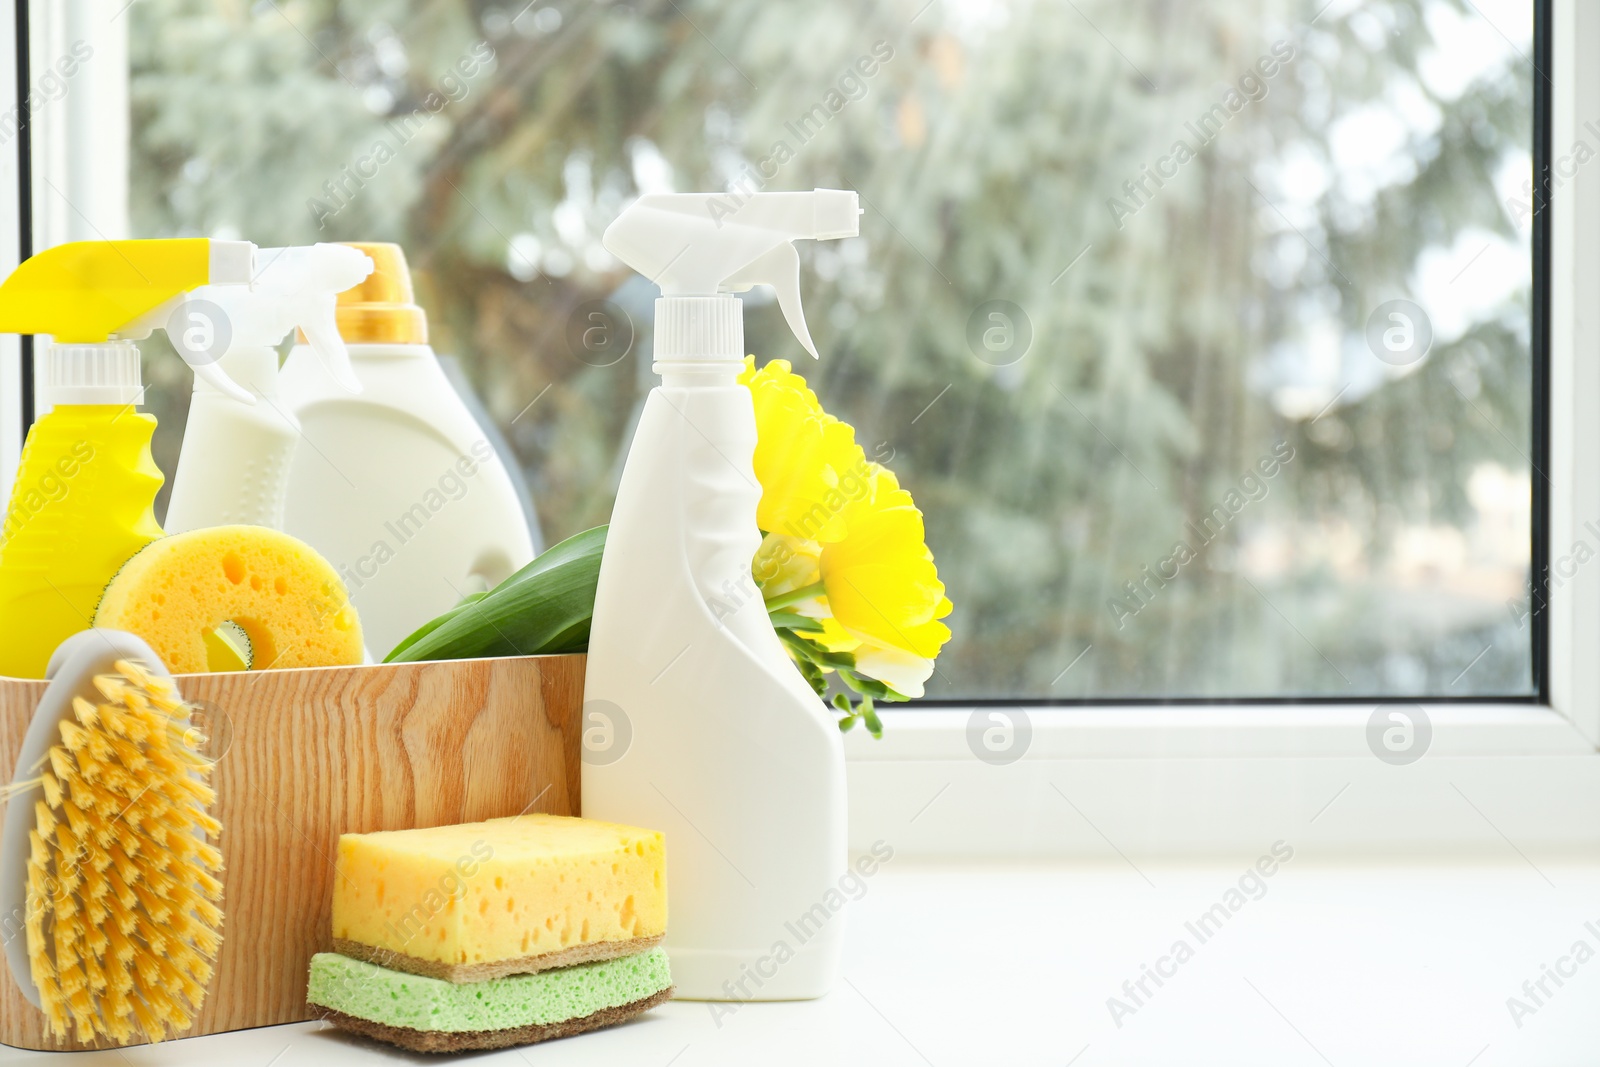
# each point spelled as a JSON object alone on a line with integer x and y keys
{"x": 105, "y": 853}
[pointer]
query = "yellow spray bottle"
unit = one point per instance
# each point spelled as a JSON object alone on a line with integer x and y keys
{"x": 82, "y": 504}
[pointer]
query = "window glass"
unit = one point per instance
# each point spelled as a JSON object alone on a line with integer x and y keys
{"x": 1200, "y": 332}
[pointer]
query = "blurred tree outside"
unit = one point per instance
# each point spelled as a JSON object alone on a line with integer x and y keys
{"x": 1169, "y": 322}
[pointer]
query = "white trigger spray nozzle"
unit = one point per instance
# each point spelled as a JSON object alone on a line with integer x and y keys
{"x": 697, "y": 245}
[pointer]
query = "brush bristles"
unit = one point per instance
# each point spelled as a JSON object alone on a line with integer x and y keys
{"x": 123, "y": 894}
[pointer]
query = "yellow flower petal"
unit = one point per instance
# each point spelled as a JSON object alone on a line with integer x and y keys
{"x": 880, "y": 579}
{"x": 902, "y": 671}
{"x": 808, "y": 463}
{"x": 834, "y": 637}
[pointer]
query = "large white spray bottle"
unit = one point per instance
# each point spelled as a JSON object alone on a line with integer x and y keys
{"x": 698, "y": 725}
{"x": 234, "y": 465}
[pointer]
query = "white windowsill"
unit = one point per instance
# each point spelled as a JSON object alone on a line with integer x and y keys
{"x": 945, "y": 965}
{"x": 1285, "y": 730}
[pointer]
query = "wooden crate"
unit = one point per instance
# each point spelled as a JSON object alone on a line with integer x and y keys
{"x": 306, "y": 755}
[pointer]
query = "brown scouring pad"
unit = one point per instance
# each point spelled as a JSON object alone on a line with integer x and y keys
{"x": 464, "y": 1041}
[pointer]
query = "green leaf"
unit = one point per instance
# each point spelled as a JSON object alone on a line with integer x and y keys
{"x": 544, "y": 608}
{"x": 428, "y": 627}
{"x": 847, "y": 724}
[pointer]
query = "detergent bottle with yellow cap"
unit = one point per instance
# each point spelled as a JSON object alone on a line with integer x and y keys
{"x": 82, "y": 503}
{"x": 398, "y": 486}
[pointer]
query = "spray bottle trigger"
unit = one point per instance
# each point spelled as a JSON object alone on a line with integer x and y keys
{"x": 190, "y": 313}
{"x": 322, "y": 334}
{"x": 778, "y": 267}
{"x": 219, "y": 380}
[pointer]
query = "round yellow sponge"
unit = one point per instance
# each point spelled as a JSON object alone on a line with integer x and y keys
{"x": 178, "y": 590}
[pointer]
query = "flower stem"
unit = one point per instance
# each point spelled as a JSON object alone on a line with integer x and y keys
{"x": 794, "y": 596}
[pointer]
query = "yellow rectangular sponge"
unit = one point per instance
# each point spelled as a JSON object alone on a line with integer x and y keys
{"x": 476, "y": 900}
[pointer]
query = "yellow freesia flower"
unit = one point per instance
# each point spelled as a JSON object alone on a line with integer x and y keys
{"x": 881, "y": 583}
{"x": 808, "y": 463}
{"x": 843, "y": 544}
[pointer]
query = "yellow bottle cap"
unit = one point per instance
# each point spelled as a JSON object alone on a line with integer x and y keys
{"x": 381, "y": 310}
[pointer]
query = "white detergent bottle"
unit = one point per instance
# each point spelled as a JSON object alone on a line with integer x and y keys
{"x": 398, "y": 487}
{"x": 698, "y": 726}
{"x": 234, "y": 464}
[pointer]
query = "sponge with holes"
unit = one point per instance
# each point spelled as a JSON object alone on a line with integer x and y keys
{"x": 476, "y": 901}
{"x": 179, "y": 590}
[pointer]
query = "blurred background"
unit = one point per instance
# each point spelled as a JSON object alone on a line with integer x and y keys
{"x": 1080, "y": 346}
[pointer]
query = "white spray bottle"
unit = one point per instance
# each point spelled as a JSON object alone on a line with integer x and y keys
{"x": 697, "y": 725}
{"x": 234, "y": 465}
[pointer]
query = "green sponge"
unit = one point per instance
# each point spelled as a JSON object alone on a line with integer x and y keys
{"x": 428, "y": 1014}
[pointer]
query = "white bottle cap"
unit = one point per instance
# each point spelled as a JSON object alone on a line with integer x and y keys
{"x": 699, "y": 328}
{"x": 105, "y": 373}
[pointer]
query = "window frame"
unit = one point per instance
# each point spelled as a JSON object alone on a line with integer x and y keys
{"x": 1181, "y": 774}
{"x": 1173, "y": 777}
